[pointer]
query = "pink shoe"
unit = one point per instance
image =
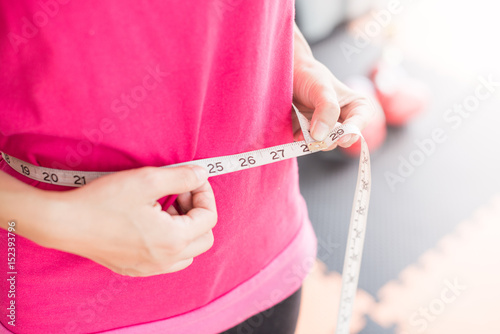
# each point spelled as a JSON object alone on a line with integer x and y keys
{"x": 401, "y": 96}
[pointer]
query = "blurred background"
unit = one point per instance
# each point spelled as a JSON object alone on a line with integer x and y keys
{"x": 431, "y": 258}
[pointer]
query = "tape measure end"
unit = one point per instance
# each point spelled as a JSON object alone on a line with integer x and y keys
{"x": 317, "y": 146}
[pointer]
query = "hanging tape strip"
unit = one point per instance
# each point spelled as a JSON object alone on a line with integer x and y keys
{"x": 237, "y": 162}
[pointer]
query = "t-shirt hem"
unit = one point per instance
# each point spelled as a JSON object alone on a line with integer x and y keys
{"x": 277, "y": 281}
{"x": 274, "y": 283}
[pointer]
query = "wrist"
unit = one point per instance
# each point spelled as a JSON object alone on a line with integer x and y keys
{"x": 38, "y": 214}
{"x": 302, "y": 53}
{"x": 43, "y": 219}
{"x": 58, "y": 227}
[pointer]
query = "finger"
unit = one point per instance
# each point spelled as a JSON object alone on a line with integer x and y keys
{"x": 348, "y": 140}
{"x": 203, "y": 216}
{"x": 331, "y": 147}
{"x": 180, "y": 265}
{"x": 198, "y": 246}
{"x": 135, "y": 272}
{"x": 157, "y": 182}
{"x": 157, "y": 206}
{"x": 185, "y": 201}
{"x": 360, "y": 120}
{"x": 185, "y": 257}
{"x": 203, "y": 198}
{"x": 326, "y": 114}
{"x": 172, "y": 211}
{"x": 359, "y": 113}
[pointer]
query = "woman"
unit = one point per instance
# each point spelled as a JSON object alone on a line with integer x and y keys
{"x": 119, "y": 85}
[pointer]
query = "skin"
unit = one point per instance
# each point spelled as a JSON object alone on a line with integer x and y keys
{"x": 321, "y": 97}
{"x": 116, "y": 221}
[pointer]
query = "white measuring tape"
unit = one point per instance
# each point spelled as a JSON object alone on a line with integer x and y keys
{"x": 237, "y": 162}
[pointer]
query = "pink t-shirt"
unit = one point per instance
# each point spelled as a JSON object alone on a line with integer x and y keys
{"x": 119, "y": 84}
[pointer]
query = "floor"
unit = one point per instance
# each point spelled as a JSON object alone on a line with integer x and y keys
{"x": 439, "y": 229}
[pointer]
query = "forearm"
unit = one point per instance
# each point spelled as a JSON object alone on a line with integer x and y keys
{"x": 301, "y": 52}
{"x": 310, "y": 76}
{"x": 29, "y": 207}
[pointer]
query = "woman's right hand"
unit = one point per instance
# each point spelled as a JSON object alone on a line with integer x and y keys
{"x": 117, "y": 222}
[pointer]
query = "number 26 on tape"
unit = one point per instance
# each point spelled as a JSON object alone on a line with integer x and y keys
{"x": 246, "y": 162}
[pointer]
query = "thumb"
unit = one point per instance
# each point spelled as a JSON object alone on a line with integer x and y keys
{"x": 157, "y": 182}
{"x": 326, "y": 113}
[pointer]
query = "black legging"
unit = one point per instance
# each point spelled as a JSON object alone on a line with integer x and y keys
{"x": 279, "y": 319}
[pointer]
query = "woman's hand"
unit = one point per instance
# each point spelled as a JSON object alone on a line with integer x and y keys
{"x": 323, "y": 99}
{"x": 117, "y": 222}
{"x": 122, "y": 227}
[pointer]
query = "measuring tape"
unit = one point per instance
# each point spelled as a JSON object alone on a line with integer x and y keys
{"x": 237, "y": 162}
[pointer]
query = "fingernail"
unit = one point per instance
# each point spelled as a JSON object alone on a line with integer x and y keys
{"x": 345, "y": 139}
{"x": 201, "y": 173}
{"x": 320, "y": 130}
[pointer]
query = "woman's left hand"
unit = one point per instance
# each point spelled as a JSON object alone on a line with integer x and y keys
{"x": 323, "y": 99}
